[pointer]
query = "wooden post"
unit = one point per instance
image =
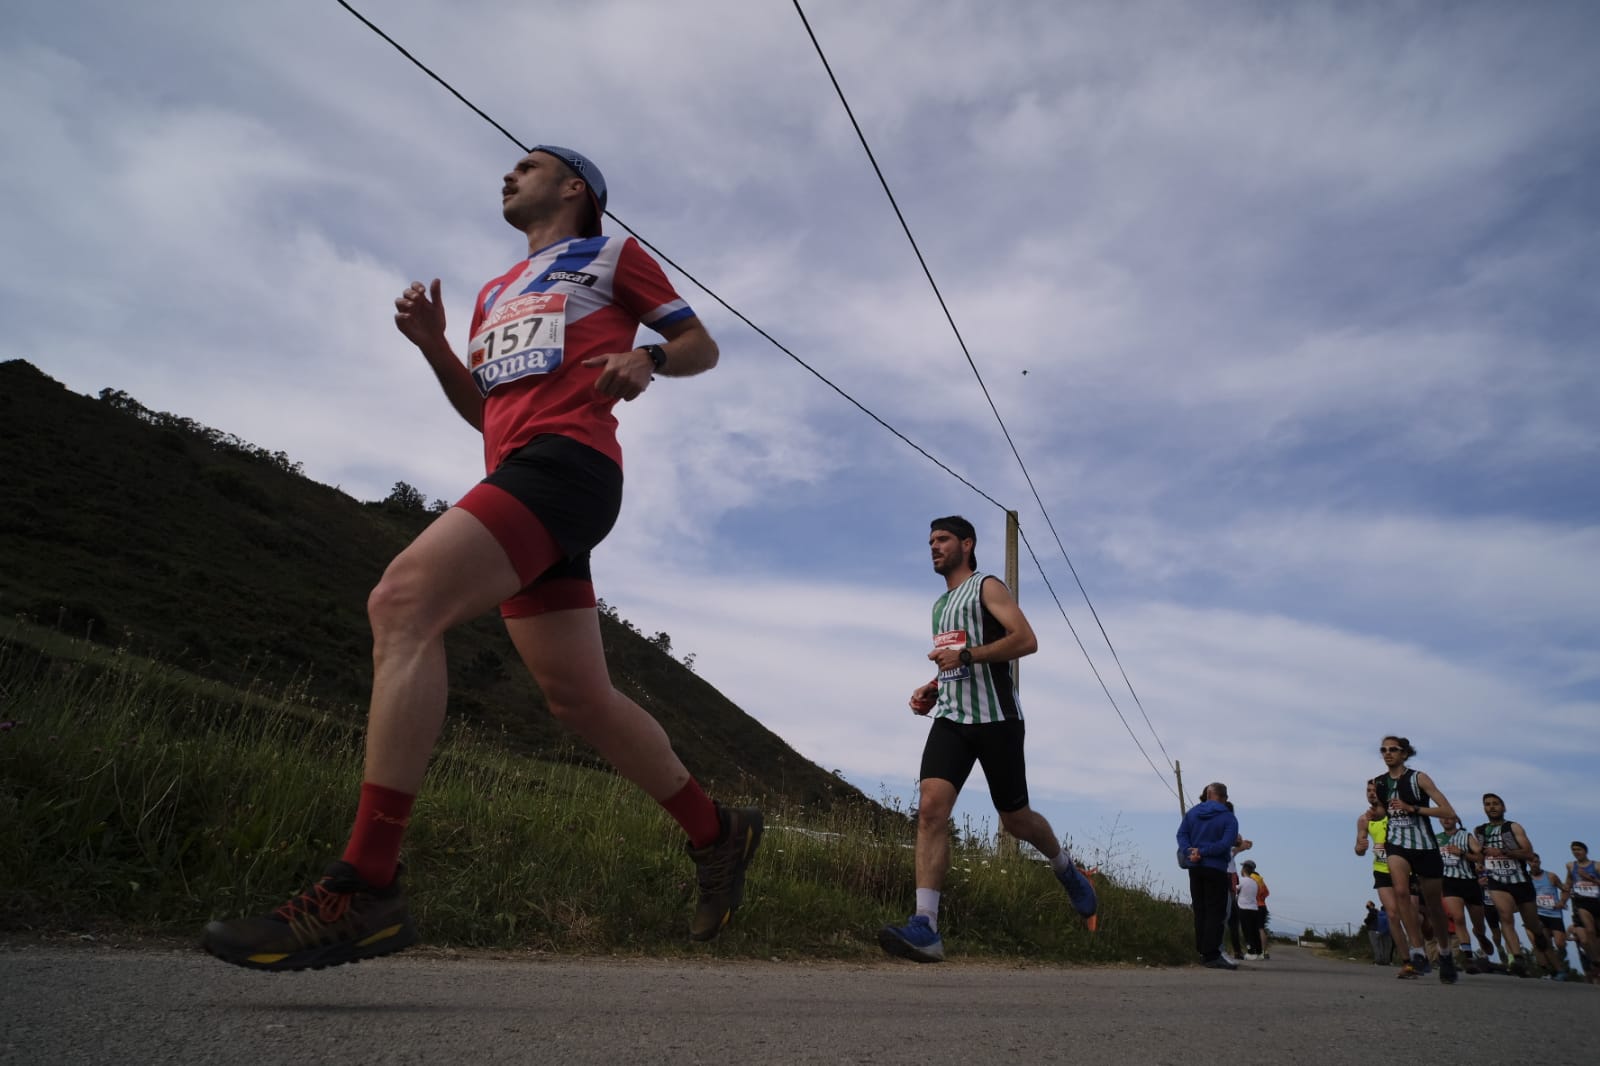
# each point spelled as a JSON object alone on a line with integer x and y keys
{"x": 1177, "y": 768}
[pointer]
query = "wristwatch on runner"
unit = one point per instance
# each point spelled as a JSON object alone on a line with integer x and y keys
{"x": 966, "y": 656}
{"x": 658, "y": 356}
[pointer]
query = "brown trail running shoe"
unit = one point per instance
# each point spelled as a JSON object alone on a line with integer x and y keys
{"x": 339, "y": 919}
{"x": 721, "y": 870}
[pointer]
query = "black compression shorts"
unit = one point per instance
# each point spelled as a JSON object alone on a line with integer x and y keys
{"x": 953, "y": 747}
{"x": 550, "y": 489}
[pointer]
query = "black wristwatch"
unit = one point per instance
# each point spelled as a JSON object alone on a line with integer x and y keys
{"x": 966, "y": 656}
{"x": 658, "y": 356}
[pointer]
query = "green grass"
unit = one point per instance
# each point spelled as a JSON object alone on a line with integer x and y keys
{"x": 141, "y": 796}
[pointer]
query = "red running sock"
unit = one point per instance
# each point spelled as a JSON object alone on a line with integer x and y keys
{"x": 381, "y": 820}
{"x": 694, "y": 810}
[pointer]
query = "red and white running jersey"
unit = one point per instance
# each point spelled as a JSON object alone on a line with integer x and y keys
{"x": 534, "y": 325}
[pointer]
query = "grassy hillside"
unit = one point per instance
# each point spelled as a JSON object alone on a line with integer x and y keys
{"x": 183, "y": 666}
{"x": 134, "y": 796}
{"x": 148, "y": 532}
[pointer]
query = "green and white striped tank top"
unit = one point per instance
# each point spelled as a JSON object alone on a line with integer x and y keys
{"x": 1501, "y": 871}
{"x": 982, "y": 692}
{"x": 1456, "y": 865}
{"x": 1412, "y": 832}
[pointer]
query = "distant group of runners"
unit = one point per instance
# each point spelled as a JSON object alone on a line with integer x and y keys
{"x": 1432, "y": 883}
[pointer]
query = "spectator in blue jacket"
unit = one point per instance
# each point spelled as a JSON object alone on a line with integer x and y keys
{"x": 1205, "y": 842}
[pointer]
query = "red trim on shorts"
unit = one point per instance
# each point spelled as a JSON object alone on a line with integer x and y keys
{"x": 561, "y": 594}
{"x": 525, "y": 540}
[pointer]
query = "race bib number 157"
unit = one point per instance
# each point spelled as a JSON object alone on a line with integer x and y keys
{"x": 522, "y": 337}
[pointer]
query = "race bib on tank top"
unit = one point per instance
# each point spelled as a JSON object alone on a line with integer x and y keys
{"x": 953, "y": 638}
{"x": 521, "y": 338}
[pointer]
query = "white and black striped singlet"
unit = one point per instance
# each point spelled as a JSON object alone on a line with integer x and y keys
{"x": 1457, "y": 866}
{"x": 1413, "y": 832}
{"x": 1502, "y": 871}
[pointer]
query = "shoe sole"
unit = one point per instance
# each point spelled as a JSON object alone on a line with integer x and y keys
{"x": 900, "y": 949}
{"x": 385, "y": 941}
{"x": 752, "y": 841}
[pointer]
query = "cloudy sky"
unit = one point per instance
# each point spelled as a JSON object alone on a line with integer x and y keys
{"x": 1289, "y": 310}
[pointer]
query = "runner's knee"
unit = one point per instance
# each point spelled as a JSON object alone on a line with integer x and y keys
{"x": 395, "y": 609}
{"x": 933, "y": 811}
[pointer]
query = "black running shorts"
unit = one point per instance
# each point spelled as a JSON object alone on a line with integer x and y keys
{"x": 1553, "y": 924}
{"x": 1381, "y": 879}
{"x": 1424, "y": 862}
{"x": 953, "y": 747}
{"x": 550, "y": 489}
{"x": 1462, "y": 888}
{"x": 1521, "y": 891}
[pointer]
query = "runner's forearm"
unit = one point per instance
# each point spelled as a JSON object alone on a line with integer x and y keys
{"x": 1009, "y": 647}
{"x": 454, "y": 378}
{"x": 690, "y": 352}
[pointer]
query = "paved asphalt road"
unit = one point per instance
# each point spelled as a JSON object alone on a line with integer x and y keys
{"x": 136, "y": 1006}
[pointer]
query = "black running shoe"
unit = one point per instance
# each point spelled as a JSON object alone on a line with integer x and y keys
{"x": 721, "y": 870}
{"x": 1447, "y": 969}
{"x": 339, "y": 919}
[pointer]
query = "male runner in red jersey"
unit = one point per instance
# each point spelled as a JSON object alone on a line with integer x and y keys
{"x": 551, "y": 353}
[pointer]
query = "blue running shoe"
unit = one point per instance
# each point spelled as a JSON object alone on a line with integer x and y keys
{"x": 1081, "y": 891}
{"x": 915, "y": 940}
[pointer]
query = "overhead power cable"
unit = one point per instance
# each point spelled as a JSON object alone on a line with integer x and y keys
{"x": 928, "y": 273}
{"x": 783, "y": 348}
{"x": 659, "y": 254}
{"x": 1164, "y": 782}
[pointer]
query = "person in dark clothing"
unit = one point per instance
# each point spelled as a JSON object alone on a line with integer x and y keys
{"x": 1206, "y": 839}
{"x": 1375, "y": 938}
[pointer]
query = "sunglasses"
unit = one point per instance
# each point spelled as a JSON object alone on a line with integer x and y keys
{"x": 1385, "y": 751}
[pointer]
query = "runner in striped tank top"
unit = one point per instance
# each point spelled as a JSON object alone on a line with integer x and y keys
{"x": 1461, "y": 892}
{"x": 1506, "y": 850}
{"x": 978, "y": 631}
{"x": 1411, "y": 798}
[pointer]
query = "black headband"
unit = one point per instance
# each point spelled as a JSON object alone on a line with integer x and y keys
{"x": 955, "y": 525}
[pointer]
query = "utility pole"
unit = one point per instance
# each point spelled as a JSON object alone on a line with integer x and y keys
{"x": 1177, "y": 768}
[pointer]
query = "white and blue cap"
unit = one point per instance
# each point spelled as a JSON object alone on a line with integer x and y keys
{"x": 584, "y": 167}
